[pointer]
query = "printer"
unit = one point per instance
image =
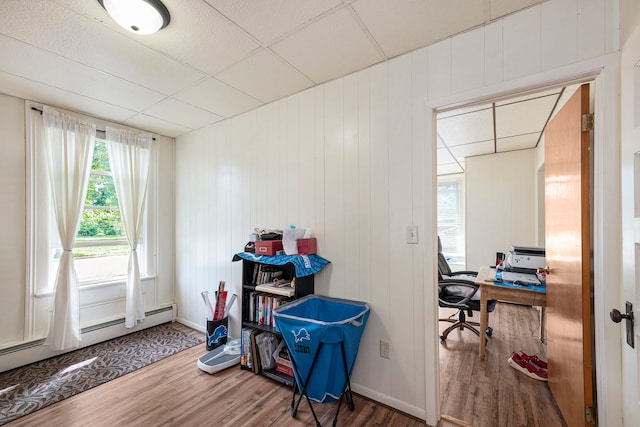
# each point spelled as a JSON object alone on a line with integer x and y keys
{"x": 523, "y": 259}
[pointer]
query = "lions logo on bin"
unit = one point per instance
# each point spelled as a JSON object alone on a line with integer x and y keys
{"x": 219, "y": 332}
{"x": 302, "y": 335}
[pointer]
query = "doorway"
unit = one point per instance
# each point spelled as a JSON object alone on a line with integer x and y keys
{"x": 497, "y": 147}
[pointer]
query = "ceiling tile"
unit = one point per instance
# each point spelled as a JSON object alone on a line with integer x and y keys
{"x": 523, "y": 117}
{"x": 449, "y": 168}
{"x": 218, "y": 97}
{"x": 519, "y": 142}
{"x": 200, "y": 36}
{"x": 275, "y": 79}
{"x": 162, "y": 127}
{"x": 19, "y": 58}
{"x": 181, "y": 113}
{"x": 331, "y": 47}
{"x": 504, "y": 7}
{"x": 420, "y": 22}
{"x": 476, "y": 149}
{"x": 91, "y": 43}
{"x": 466, "y": 128}
{"x": 55, "y": 97}
{"x": 268, "y": 20}
{"x": 444, "y": 156}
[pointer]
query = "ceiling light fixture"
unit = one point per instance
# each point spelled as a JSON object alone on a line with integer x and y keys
{"x": 138, "y": 16}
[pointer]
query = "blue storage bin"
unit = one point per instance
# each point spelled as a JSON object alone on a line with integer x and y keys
{"x": 316, "y": 329}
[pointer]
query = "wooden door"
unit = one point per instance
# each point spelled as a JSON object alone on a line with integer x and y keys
{"x": 567, "y": 240}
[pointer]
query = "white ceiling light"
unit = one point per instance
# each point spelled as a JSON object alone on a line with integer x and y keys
{"x": 138, "y": 16}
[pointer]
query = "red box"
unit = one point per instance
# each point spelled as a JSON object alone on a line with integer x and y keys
{"x": 268, "y": 247}
{"x": 307, "y": 246}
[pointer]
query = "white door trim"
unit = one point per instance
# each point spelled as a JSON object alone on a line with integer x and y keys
{"x": 606, "y": 232}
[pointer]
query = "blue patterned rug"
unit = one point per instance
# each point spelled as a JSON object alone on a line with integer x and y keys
{"x": 26, "y": 389}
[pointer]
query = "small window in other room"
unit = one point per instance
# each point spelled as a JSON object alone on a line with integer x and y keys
{"x": 451, "y": 219}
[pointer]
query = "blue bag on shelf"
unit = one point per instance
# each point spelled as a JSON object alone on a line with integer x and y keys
{"x": 312, "y": 320}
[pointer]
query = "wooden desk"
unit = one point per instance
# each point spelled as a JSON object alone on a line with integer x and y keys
{"x": 488, "y": 290}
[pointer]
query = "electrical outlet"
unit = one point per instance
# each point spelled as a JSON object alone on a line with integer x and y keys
{"x": 412, "y": 234}
{"x": 385, "y": 351}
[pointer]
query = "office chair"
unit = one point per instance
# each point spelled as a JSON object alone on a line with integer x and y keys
{"x": 457, "y": 289}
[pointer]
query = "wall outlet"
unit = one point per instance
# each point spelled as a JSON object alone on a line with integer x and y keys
{"x": 412, "y": 234}
{"x": 385, "y": 351}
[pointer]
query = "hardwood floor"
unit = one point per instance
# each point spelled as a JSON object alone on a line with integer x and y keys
{"x": 174, "y": 391}
{"x": 491, "y": 393}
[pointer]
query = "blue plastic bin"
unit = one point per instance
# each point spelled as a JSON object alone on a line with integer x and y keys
{"x": 326, "y": 324}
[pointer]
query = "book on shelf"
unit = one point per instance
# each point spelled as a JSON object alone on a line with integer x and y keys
{"x": 254, "y": 351}
{"x": 286, "y": 290}
{"x": 246, "y": 358}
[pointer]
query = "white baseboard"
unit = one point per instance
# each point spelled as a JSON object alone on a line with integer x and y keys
{"x": 390, "y": 401}
{"x": 26, "y": 353}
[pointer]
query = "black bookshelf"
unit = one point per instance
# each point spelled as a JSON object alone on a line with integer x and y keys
{"x": 304, "y": 285}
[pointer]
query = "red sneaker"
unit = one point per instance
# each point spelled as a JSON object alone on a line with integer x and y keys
{"x": 527, "y": 368}
{"x": 535, "y": 360}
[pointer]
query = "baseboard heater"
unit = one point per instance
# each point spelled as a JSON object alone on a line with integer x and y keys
{"x": 83, "y": 331}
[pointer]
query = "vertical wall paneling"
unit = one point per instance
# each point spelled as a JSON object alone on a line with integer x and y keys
{"x": 421, "y": 172}
{"x": 521, "y": 43}
{"x": 439, "y": 72}
{"x": 559, "y": 34}
{"x": 350, "y": 183}
{"x": 591, "y": 29}
{"x": 400, "y": 284}
{"x": 334, "y": 184}
{"x": 307, "y": 160}
{"x": 493, "y": 53}
{"x": 380, "y": 318}
{"x": 467, "y": 61}
{"x": 354, "y": 163}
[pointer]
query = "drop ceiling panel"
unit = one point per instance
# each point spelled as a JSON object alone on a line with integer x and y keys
{"x": 162, "y": 127}
{"x": 200, "y": 36}
{"x": 504, "y": 7}
{"x": 53, "y": 96}
{"x": 218, "y": 97}
{"x": 453, "y": 15}
{"x": 523, "y": 117}
{"x": 268, "y": 20}
{"x": 519, "y": 142}
{"x": 274, "y": 80}
{"x": 50, "y": 26}
{"x": 181, "y": 113}
{"x": 466, "y": 128}
{"x": 444, "y": 156}
{"x": 385, "y": 18}
{"x": 18, "y": 59}
{"x": 476, "y": 149}
{"x": 449, "y": 168}
{"x": 329, "y": 48}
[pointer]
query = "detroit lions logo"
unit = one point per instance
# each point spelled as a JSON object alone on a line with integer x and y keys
{"x": 302, "y": 335}
{"x": 218, "y": 333}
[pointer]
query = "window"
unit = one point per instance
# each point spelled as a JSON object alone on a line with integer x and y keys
{"x": 101, "y": 250}
{"x": 451, "y": 219}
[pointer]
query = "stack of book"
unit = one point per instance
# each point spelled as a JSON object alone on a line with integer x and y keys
{"x": 261, "y": 307}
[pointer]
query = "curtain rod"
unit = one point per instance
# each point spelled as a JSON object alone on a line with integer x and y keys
{"x": 101, "y": 131}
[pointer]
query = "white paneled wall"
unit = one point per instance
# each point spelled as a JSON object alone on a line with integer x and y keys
{"x": 352, "y": 160}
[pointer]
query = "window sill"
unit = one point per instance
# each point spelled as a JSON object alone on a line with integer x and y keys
{"x": 94, "y": 285}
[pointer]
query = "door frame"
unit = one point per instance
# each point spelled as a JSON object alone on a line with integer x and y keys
{"x": 607, "y": 219}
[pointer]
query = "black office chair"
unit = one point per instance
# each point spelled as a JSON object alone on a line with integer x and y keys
{"x": 457, "y": 289}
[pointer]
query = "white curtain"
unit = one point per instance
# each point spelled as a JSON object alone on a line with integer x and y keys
{"x": 130, "y": 153}
{"x": 69, "y": 144}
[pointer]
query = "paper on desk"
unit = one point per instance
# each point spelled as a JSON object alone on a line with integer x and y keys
{"x": 290, "y": 238}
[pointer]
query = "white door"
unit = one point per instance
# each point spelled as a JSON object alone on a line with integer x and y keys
{"x": 630, "y": 197}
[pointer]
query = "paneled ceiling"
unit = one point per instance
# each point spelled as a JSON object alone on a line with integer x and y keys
{"x": 495, "y": 127}
{"x": 217, "y": 58}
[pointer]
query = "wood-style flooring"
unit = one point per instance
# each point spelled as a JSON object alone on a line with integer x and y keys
{"x": 491, "y": 393}
{"x": 174, "y": 391}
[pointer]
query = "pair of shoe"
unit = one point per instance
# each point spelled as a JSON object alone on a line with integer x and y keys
{"x": 531, "y": 366}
